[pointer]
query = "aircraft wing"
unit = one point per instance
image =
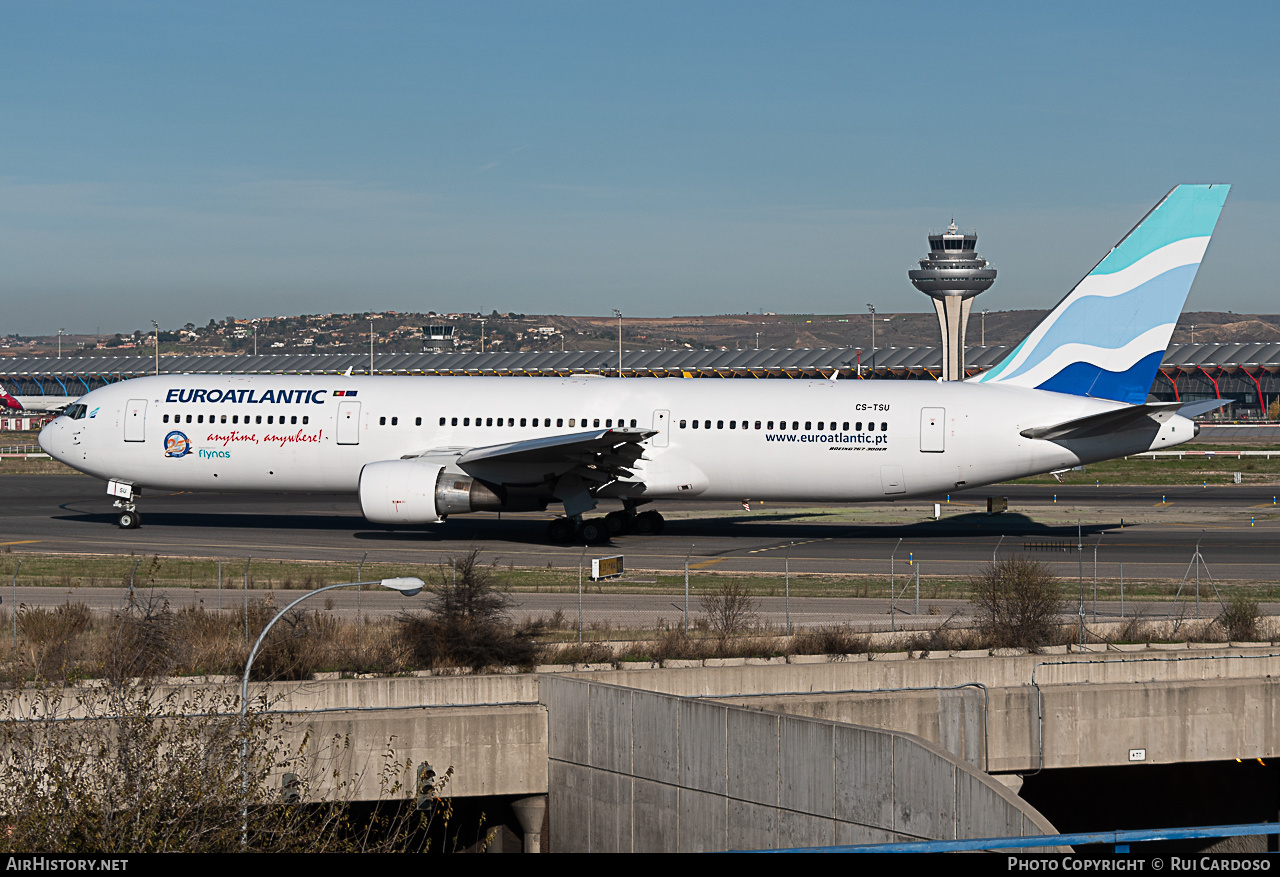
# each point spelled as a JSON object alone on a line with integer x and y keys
{"x": 599, "y": 456}
{"x": 1120, "y": 419}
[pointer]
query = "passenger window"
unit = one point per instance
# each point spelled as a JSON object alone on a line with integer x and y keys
{"x": 395, "y": 421}
{"x": 633, "y": 421}
{"x": 571, "y": 421}
{"x": 859, "y": 426}
{"x": 560, "y": 421}
{"x": 441, "y": 421}
{"x": 695, "y": 424}
{"x": 305, "y": 419}
{"x": 758, "y": 424}
{"x": 884, "y": 427}
{"x": 488, "y": 422}
{"x": 846, "y": 426}
{"x": 224, "y": 418}
{"x": 806, "y": 426}
{"x": 682, "y": 424}
{"x": 466, "y": 421}
{"x": 795, "y": 424}
{"x": 188, "y": 418}
{"x": 782, "y": 424}
{"x": 166, "y": 417}
{"x": 596, "y": 423}
{"x": 523, "y": 421}
{"x": 871, "y": 427}
{"x": 511, "y": 421}
{"x": 733, "y": 424}
{"x": 258, "y": 419}
{"x": 454, "y": 421}
{"x": 609, "y": 422}
{"x": 199, "y": 418}
{"x": 706, "y": 424}
{"x": 719, "y": 424}
{"x": 382, "y": 421}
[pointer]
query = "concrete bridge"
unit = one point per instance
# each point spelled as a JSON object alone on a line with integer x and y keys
{"x": 759, "y": 754}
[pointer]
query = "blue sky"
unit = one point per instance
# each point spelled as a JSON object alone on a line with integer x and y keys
{"x": 180, "y": 162}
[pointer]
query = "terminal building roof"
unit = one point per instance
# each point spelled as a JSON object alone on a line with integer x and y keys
{"x": 920, "y": 362}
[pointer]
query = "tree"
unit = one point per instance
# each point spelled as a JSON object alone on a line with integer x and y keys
{"x": 1017, "y": 602}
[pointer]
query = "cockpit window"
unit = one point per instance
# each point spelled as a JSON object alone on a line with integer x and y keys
{"x": 77, "y": 411}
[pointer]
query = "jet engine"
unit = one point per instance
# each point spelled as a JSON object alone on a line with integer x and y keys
{"x": 415, "y": 492}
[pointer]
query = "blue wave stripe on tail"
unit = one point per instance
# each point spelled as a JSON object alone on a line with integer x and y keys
{"x": 1086, "y": 379}
{"x": 1110, "y": 323}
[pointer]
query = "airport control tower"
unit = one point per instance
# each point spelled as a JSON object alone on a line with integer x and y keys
{"x": 953, "y": 275}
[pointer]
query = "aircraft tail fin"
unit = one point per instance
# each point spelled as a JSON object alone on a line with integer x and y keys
{"x": 1107, "y": 337}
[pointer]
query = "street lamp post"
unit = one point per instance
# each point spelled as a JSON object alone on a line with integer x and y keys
{"x": 408, "y": 586}
{"x": 617, "y": 313}
{"x": 157, "y": 328}
{"x": 872, "y": 308}
{"x": 60, "y": 331}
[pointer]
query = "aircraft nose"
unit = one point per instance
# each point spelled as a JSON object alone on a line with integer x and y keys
{"x": 49, "y": 436}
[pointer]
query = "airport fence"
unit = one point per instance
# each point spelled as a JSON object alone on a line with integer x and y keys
{"x": 907, "y": 586}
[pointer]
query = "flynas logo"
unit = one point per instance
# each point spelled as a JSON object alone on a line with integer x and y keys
{"x": 176, "y": 444}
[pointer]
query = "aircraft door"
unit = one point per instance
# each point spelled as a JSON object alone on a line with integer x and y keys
{"x": 933, "y": 427}
{"x": 348, "y": 423}
{"x": 661, "y": 423}
{"x": 135, "y": 420}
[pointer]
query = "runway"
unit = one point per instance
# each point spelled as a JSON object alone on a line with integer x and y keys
{"x": 1237, "y": 527}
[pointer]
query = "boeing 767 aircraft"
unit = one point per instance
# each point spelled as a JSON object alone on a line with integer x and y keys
{"x": 418, "y": 449}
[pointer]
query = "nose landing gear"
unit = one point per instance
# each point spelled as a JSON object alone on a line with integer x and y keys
{"x": 129, "y": 519}
{"x": 125, "y": 493}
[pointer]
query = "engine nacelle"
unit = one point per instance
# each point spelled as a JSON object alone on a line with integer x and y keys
{"x": 416, "y": 492}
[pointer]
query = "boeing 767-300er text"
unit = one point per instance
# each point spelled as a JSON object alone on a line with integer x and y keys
{"x": 418, "y": 449}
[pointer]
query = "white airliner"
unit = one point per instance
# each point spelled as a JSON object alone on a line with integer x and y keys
{"x": 418, "y": 449}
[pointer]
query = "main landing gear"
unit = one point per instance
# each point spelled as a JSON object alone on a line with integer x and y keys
{"x": 600, "y": 530}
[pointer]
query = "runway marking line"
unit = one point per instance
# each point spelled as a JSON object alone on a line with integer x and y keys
{"x": 789, "y": 545}
{"x": 706, "y": 563}
{"x": 22, "y": 542}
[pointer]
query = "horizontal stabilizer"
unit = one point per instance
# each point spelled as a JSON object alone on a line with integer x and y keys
{"x": 1122, "y": 419}
{"x": 1106, "y": 422}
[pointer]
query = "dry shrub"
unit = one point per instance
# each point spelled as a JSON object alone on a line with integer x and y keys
{"x": 1017, "y": 601}
{"x": 676, "y": 645}
{"x": 835, "y": 640}
{"x": 295, "y": 647}
{"x": 946, "y": 638}
{"x": 41, "y": 626}
{"x": 214, "y": 642}
{"x": 54, "y": 650}
{"x": 141, "y": 642}
{"x": 467, "y": 625}
{"x": 583, "y": 653}
{"x": 729, "y": 609}
{"x": 1241, "y": 619}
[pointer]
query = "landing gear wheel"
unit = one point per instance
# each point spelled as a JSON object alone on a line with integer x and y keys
{"x": 560, "y": 530}
{"x": 594, "y": 531}
{"x": 129, "y": 520}
{"x": 648, "y": 524}
{"x": 618, "y": 523}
